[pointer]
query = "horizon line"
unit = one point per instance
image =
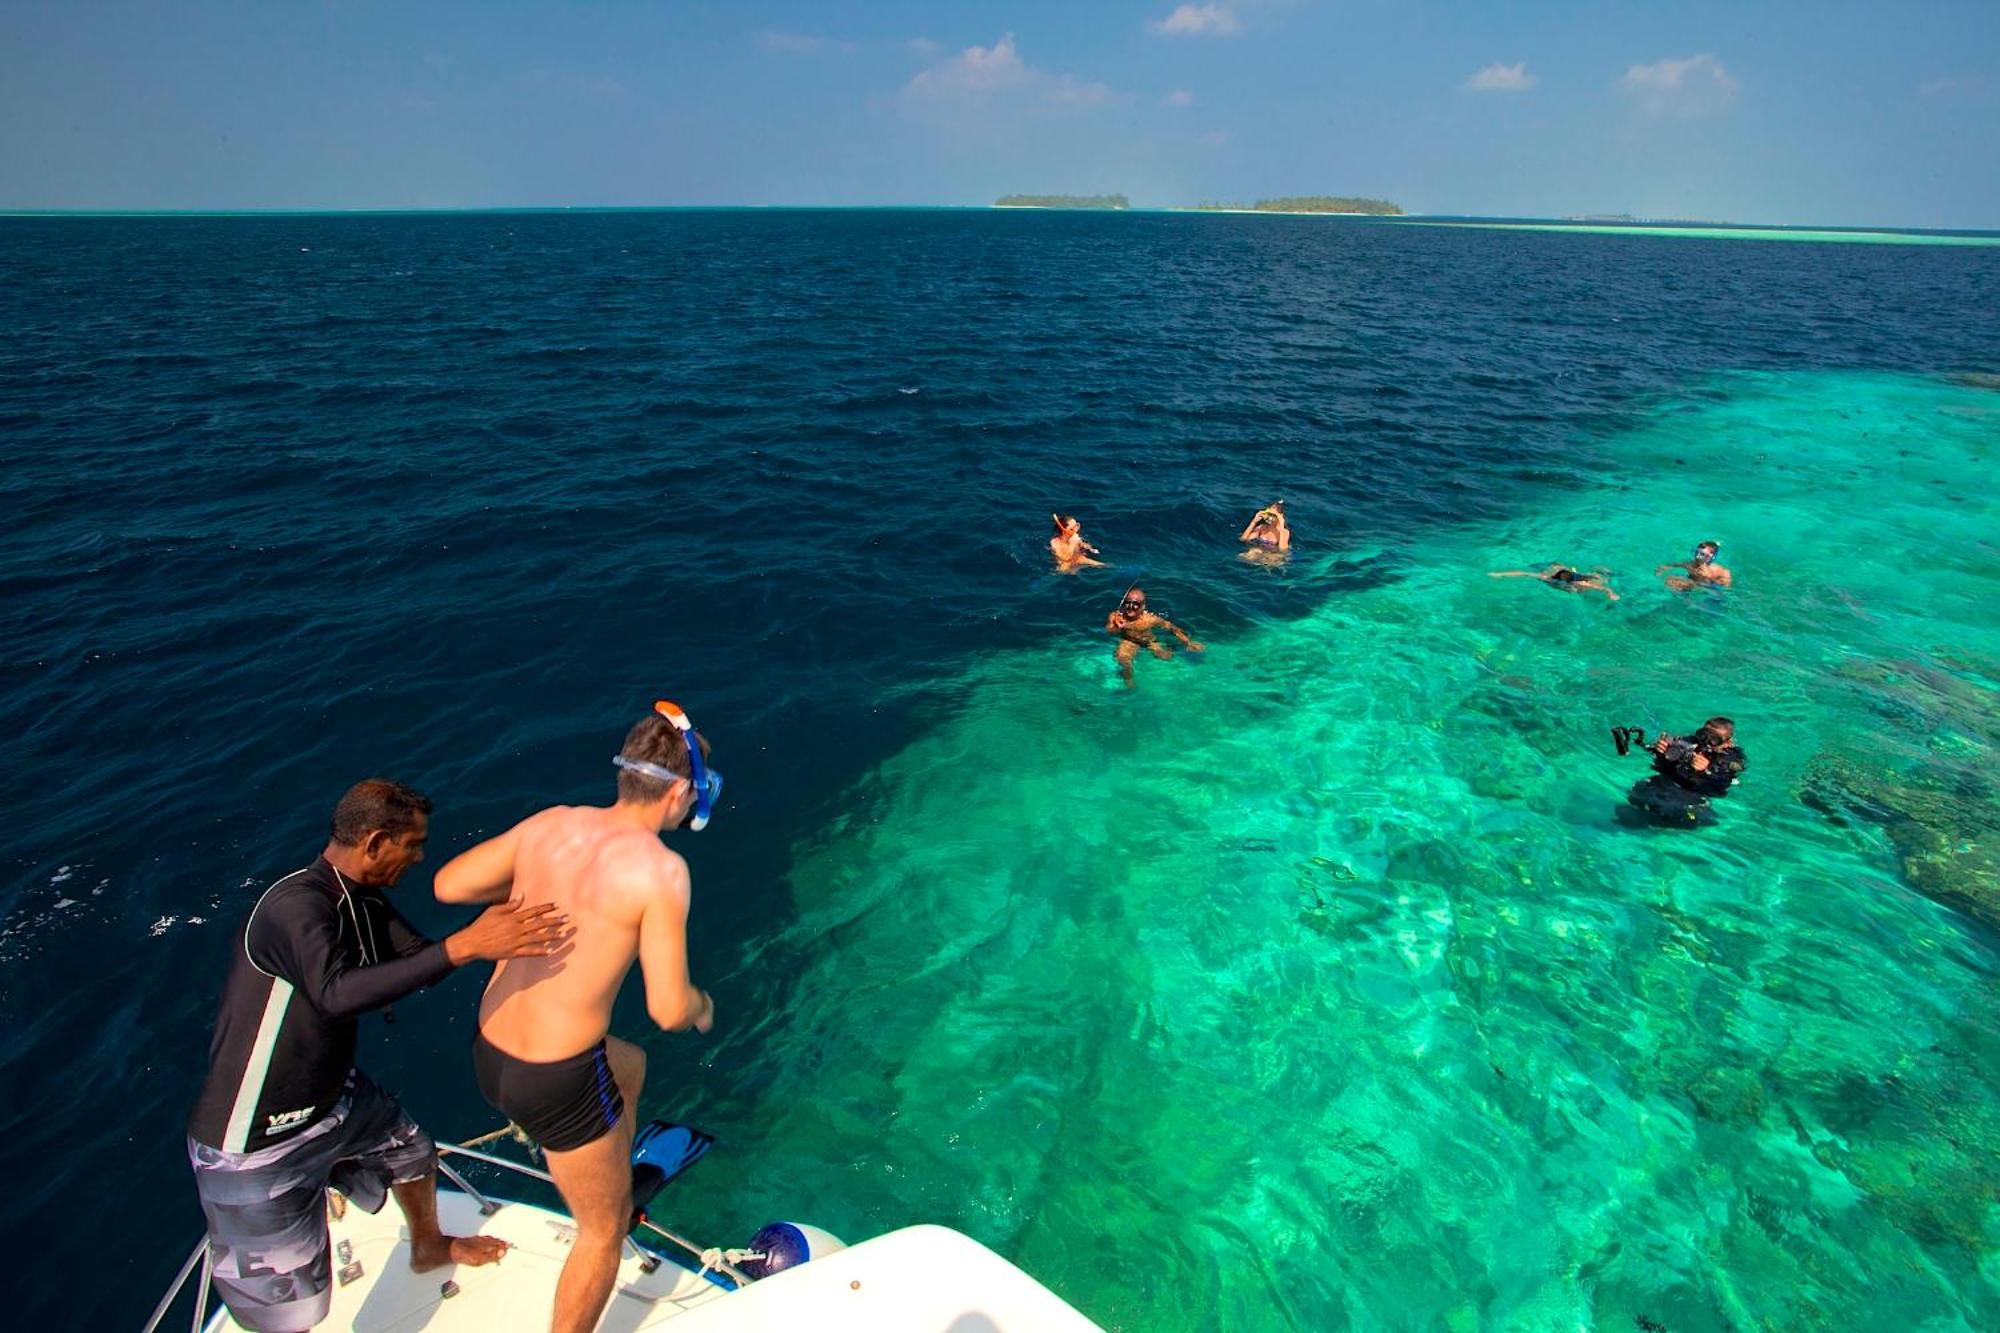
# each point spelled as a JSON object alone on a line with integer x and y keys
{"x": 491, "y": 209}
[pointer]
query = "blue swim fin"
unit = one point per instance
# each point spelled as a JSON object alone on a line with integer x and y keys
{"x": 660, "y": 1152}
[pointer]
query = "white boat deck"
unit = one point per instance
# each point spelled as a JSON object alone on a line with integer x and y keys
{"x": 922, "y": 1279}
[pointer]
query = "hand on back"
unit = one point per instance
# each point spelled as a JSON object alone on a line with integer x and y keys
{"x": 511, "y": 930}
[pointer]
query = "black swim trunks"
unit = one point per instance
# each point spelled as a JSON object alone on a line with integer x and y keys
{"x": 562, "y": 1104}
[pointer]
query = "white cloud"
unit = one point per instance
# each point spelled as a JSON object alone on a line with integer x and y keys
{"x": 980, "y": 72}
{"x": 1199, "y": 21}
{"x": 1498, "y": 78}
{"x": 1178, "y": 97}
{"x": 975, "y": 71}
{"x": 801, "y": 44}
{"x": 1693, "y": 86}
{"x": 923, "y": 47}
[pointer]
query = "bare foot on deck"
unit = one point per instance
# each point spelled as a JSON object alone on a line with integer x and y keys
{"x": 472, "y": 1251}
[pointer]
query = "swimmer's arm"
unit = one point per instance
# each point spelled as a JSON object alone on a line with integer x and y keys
{"x": 1181, "y": 634}
{"x": 672, "y": 998}
{"x": 1515, "y": 574}
{"x": 1284, "y": 538}
{"x": 1248, "y": 528}
{"x": 1671, "y": 564}
{"x": 1114, "y": 624}
{"x": 481, "y": 874}
{"x": 1722, "y": 576}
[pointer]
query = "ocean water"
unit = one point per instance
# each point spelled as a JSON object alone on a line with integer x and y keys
{"x": 1739, "y": 232}
{"x": 1315, "y": 982}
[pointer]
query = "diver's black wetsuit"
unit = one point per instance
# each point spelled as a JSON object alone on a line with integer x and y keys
{"x": 1678, "y": 792}
{"x": 314, "y": 954}
{"x": 1725, "y": 762}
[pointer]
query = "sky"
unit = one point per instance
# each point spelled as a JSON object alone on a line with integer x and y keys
{"x": 1784, "y": 111}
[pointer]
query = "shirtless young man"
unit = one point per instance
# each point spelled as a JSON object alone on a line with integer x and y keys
{"x": 544, "y": 1054}
{"x": 1133, "y": 623}
{"x": 1702, "y": 571}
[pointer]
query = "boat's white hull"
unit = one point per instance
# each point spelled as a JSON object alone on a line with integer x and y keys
{"x": 920, "y": 1278}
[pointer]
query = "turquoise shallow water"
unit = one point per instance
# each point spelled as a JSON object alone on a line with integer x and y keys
{"x": 1319, "y": 975}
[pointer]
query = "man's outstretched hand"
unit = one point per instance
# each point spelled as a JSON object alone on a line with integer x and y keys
{"x": 510, "y": 930}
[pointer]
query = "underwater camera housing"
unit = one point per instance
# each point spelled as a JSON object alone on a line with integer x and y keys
{"x": 1628, "y": 739}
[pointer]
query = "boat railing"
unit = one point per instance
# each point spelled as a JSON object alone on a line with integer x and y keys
{"x": 711, "y": 1260}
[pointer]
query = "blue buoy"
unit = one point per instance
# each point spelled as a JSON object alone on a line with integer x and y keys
{"x": 787, "y": 1245}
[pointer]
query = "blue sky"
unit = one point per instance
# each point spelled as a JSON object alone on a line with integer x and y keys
{"x": 1776, "y": 111}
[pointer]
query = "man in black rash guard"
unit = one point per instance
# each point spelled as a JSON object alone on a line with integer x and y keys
{"x": 284, "y": 1113}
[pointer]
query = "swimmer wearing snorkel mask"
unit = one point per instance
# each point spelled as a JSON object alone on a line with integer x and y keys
{"x": 1702, "y": 571}
{"x": 1267, "y": 529}
{"x": 1561, "y": 576}
{"x": 1134, "y": 624}
{"x": 1069, "y": 547}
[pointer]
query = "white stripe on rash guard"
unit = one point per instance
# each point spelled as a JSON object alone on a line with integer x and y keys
{"x": 237, "y": 1137}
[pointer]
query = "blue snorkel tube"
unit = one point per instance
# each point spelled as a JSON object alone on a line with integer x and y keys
{"x": 707, "y": 783}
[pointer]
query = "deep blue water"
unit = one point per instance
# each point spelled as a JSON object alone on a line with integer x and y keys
{"x": 291, "y": 501}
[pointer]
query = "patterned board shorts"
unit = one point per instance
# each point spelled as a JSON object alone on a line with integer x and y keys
{"x": 267, "y": 1236}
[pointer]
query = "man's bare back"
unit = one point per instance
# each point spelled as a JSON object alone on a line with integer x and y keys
{"x": 544, "y": 1054}
{"x": 606, "y": 874}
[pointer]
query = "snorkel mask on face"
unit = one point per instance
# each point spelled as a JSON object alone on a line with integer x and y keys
{"x": 1705, "y": 554}
{"x": 706, "y": 782}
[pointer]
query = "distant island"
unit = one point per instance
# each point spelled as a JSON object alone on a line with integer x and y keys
{"x": 1062, "y": 201}
{"x": 1291, "y": 203}
{"x": 1628, "y": 219}
{"x": 1309, "y": 203}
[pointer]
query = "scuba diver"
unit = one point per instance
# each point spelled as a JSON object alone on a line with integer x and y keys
{"x": 1687, "y": 771}
{"x": 1702, "y": 571}
{"x": 1068, "y": 546}
{"x": 1561, "y": 576}
{"x": 1134, "y": 625}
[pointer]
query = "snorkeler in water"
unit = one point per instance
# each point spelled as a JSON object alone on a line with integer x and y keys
{"x": 1702, "y": 571}
{"x": 1267, "y": 529}
{"x": 1069, "y": 547}
{"x": 1134, "y": 624}
{"x": 1561, "y": 576}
